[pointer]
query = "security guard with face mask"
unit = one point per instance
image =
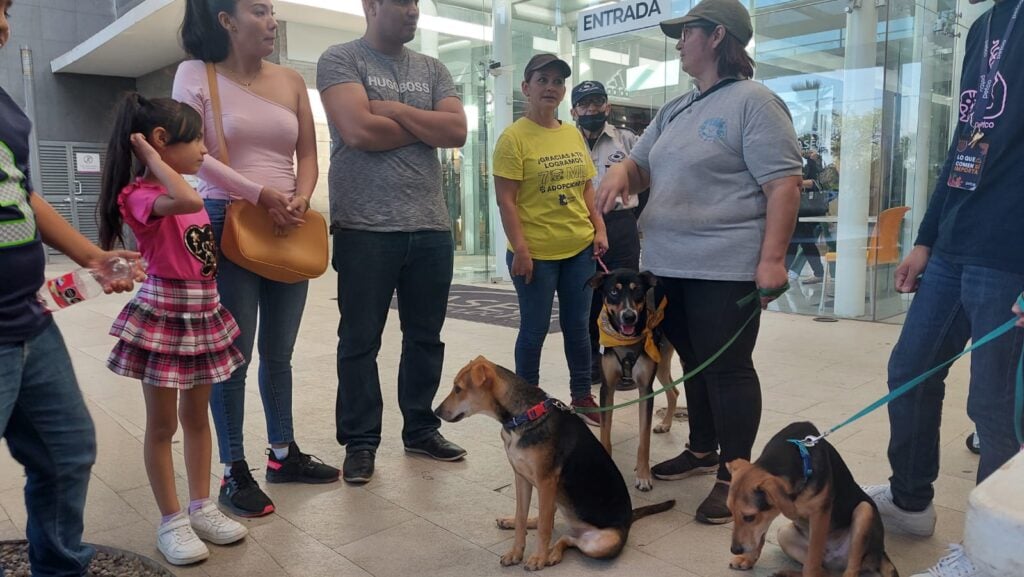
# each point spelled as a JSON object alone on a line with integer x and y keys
{"x": 608, "y": 146}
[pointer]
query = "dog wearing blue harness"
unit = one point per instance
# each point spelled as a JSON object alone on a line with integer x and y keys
{"x": 835, "y": 524}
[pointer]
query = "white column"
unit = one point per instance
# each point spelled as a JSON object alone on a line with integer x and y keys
{"x": 565, "y": 42}
{"x": 860, "y": 77}
{"x": 920, "y": 102}
{"x": 504, "y": 84}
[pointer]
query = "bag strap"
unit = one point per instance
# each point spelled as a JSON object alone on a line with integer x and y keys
{"x": 721, "y": 84}
{"x": 218, "y": 120}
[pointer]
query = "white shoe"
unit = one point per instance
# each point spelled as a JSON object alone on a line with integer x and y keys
{"x": 918, "y": 523}
{"x": 956, "y": 564}
{"x": 210, "y": 524}
{"x": 179, "y": 543}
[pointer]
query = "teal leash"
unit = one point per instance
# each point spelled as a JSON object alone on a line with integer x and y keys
{"x": 754, "y": 295}
{"x": 999, "y": 331}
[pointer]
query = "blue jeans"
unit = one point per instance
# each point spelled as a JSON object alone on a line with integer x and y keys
{"x": 568, "y": 277}
{"x": 954, "y": 303}
{"x": 49, "y": 431}
{"x": 278, "y": 307}
{"x": 371, "y": 267}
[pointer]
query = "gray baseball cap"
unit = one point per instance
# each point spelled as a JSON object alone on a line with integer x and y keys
{"x": 732, "y": 15}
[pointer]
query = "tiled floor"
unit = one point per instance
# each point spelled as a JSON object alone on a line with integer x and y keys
{"x": 425, "y": 518}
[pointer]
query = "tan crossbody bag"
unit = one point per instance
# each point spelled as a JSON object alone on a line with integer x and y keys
{"x": 249, "y": 240}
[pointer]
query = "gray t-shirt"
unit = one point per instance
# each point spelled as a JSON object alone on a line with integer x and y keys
{"x": 706, "y": 215}
{"x": 395, "y": 190}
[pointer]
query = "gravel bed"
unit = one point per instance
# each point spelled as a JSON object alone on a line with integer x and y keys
{"x": 108, "y": 562}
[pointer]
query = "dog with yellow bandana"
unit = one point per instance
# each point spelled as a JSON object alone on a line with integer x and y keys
{"x": 633, "y": 348}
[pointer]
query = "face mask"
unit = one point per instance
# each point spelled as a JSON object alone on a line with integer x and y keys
{"x": 592, "y": 122}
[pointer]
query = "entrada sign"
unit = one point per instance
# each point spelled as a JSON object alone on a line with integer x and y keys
{"x": 618, "y": 18}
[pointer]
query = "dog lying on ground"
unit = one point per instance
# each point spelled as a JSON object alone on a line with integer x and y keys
{"x": 634, "y": 349}
{"x": 836, "y": 526}
{"x": 550, "y": 449}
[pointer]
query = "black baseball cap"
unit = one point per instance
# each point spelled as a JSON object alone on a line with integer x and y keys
{"x": 543, "y": 61}
{"x": 585, "y": 89}
{"x": 732, "y": 15}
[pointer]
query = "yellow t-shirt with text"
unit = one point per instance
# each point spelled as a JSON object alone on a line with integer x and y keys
{"x": 553, "y": 167}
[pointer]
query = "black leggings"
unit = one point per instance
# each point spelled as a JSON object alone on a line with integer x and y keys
{"x": 724, "y": 400}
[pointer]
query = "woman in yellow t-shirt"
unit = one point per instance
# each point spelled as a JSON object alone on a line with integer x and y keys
{"x": 542, "y": 172}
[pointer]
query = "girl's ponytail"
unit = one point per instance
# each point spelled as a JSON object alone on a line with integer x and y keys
{"x": 135, "y": 113}
{"x": 117, "y": 170}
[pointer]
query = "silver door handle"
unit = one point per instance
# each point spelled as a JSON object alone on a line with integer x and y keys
{"x": 78, "y": 188}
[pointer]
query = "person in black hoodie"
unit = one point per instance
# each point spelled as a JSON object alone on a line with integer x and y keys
{"x": 967, "y": 269}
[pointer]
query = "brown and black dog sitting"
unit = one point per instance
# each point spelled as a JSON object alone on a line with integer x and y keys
{"x": 634, "y": 349}
{"x": 550, "y": 449}
{"x": 836, "y": 526}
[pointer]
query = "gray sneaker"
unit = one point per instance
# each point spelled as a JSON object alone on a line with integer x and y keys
{"x": 895, "y": 519}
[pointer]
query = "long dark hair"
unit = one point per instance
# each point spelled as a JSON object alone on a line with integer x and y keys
{"x": 136, "y": 113}
{"x": 202, "y": 36}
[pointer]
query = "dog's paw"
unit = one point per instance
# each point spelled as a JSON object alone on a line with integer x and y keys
{"x": 643, "y": 484}
{"x": 507, "y": 523}
{"x": 513, "y": 557}
{"x": 662, "y": 428}
{"x": 742, "y": 563}
{"x": 536, "y": 562}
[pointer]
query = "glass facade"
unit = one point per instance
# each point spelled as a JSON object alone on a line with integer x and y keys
{"x": 869, "y": 83}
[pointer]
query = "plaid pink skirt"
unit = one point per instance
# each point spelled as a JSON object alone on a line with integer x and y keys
{"x": 175, "y": 334}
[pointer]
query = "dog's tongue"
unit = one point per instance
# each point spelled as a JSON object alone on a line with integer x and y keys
{"x": 628, "y": 330}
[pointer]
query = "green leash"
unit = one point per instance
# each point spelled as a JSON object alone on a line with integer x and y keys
{"x": 754, "y": 295}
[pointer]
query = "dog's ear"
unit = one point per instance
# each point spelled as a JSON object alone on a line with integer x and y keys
{"x": 649, "y": 277}
{"x": 776, "y": 494}
{"x": 597, "y": 280}
{"x": 482, "y": 374}
{"x": 737, "y": 466}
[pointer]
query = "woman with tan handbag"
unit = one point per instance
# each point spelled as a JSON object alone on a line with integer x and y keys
{"x": 264, "y": 117}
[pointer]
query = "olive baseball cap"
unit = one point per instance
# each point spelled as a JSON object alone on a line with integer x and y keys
{"x": 543, "y": 61}
{"x": 732, "y": 15}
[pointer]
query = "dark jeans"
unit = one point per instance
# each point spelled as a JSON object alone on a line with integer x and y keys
{"x": 49, "y": 431}
{"x": 371, "y": 267}
{"x": 623, "y": 252}
{"x": 805, "y": 236}
{"x": 276, "y": 309}
{"x": 724, "y": 400}
{"x": 953, "y": 304}
{"x": 568, "y": 277}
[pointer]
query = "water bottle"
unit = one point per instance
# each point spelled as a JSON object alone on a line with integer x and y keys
{"x": 84, "y": 283}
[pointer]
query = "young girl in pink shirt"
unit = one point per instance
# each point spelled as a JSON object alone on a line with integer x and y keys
{"x": 174, "y": 335}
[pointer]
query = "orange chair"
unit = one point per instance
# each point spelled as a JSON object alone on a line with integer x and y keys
{"x": 883, "y": 248}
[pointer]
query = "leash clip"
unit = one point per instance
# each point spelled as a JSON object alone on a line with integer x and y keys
{"x": 811, "y": 440}
{"x": 561, "y": 406}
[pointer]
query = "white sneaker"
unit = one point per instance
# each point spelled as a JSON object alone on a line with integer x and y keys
{"x": 956, "y": 564}
{"x": 918, "y": 523}
{"x": 211, "y": 525}
{"x": 179, "y": 543}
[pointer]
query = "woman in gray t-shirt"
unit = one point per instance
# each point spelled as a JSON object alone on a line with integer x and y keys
{"x": 723, "y": 166}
